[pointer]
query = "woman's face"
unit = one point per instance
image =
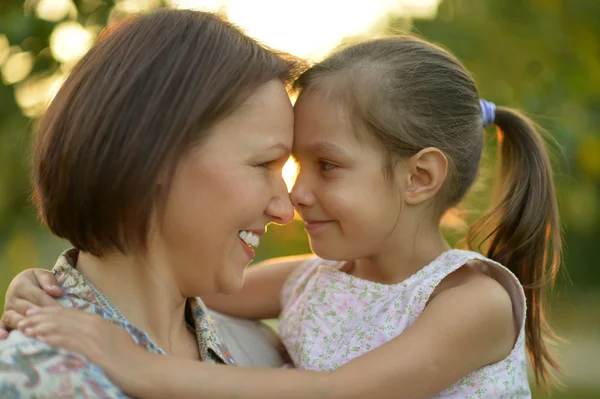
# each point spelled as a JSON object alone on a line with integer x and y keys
{"x": 229, "y": 186}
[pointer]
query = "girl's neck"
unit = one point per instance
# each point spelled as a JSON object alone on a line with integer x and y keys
{"x": 144, "y": 291}
{"x": 402, "y": 255}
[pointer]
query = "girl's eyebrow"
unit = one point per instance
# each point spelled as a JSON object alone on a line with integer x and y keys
{"x": 324, "y": 147}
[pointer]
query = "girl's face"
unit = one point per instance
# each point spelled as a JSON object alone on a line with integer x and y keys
{"x": 231, "y": 184}
{"x": 341, "y": 192}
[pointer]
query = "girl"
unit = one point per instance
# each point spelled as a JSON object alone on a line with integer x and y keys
{"x": 388, "y": 136}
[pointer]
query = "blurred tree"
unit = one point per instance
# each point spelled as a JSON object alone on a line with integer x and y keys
{"x": 28, "y": 62}
{"x": 31, "y": 70}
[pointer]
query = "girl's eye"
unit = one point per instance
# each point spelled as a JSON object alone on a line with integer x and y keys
{"x": 327, "y": 166}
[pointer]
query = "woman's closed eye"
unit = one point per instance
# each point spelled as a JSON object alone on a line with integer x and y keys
{"x": 276, "y": 164}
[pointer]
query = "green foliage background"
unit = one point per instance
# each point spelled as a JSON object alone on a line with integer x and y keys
{"x": 542, "y": 56}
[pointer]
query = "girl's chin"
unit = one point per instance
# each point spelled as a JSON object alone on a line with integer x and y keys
{"x": 331, "y": 251}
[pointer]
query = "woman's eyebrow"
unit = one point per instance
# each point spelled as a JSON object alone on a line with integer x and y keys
{"x": 285, "y": 150}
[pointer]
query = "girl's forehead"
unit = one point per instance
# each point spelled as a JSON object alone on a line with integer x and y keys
{"x": 313, "y": 108}
{"x": 318, "y": 118}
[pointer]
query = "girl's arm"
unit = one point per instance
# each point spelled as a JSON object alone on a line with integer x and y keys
{"x": 463, "y": 328}
{"x": 259, "y": 297}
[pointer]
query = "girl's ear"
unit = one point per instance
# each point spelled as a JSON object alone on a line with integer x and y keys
{"x": 423, "y": 175}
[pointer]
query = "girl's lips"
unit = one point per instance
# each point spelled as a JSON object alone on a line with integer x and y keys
{"x": 314, "y": 225}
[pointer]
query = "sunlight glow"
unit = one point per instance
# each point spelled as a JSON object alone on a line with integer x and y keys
{"x": 205, "y": 5}
{"x": 421, "y": 8}
{"x": 455, "y": 219}
{"x": 312, "y": 28}
{"x": 290, "y": 172}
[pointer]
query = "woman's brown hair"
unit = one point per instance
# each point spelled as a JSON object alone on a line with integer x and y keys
{"x": 148, "y": 91}
{"x": 409, "y": 95}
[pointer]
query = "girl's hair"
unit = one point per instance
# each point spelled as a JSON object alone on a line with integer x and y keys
{"x": 149, "y": 90}
{"x": 409, "y": 95}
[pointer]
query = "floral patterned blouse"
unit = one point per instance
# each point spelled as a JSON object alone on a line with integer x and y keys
{"x": 330, "y": 317}
{"x": 32, "y": 369}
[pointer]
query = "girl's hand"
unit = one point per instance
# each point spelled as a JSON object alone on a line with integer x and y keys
{"x": 29, "y": 289}
{"x": 3, "y": 331}
{"x": 101, "y": 342}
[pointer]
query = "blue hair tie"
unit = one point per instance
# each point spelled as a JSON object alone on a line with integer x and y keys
{"x": 488, "y": 112}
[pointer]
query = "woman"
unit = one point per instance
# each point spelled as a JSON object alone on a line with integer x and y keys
{"x": 139, "y": 162}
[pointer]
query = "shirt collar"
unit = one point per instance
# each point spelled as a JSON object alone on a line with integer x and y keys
{"x": 81, "y": 293}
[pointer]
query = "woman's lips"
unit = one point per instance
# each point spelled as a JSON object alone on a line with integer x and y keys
{"x": 249, "y": 251}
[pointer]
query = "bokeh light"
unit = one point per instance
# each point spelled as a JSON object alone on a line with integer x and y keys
{"x": 17, "y": 67}
{"x": 133, "y": 6}
{"x": 290, "y": 172}
{"x": 69, "y": 41}
{"x": 4, "y": 49}
{"x": 54, "y": 10}
{"x": 34, "y": 95}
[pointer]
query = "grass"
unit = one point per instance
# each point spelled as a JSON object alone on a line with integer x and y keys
{"x": 575, "y": 393}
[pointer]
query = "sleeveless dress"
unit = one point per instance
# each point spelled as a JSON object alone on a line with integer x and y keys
{"x": 330, "y": 317}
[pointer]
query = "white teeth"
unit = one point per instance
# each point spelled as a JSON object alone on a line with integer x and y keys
{"x": 249, "y": 238}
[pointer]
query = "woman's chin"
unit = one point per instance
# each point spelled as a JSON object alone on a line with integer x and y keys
{"x": 232, "y": 285}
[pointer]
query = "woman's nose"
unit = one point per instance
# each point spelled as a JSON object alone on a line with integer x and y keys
{"x": 280, "y": 209}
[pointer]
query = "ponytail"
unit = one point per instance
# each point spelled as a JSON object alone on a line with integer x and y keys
{"x": 525, "y": 235}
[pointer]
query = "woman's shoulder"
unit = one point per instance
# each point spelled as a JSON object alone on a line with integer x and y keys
{"x": 79, "y": 292}
{"x": 34, "y": 369}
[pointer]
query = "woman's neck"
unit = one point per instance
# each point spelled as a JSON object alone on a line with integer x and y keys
{"x": 145, "y": 293}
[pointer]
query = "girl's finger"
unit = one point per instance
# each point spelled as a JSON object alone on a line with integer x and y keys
{"x": 11, "y": 319}
{"x": 44, "y": 329}
{"x": 3, "y": 331}
{"x": 20, "y": 306}
{"x": 62, "y": 341}
{"x": 48, "y": 283}
{"x": 39, "y": 297}
{"x": 35, "y": 320}
{"x": 57, "y": 319}
{"x": 32, "y": 311}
